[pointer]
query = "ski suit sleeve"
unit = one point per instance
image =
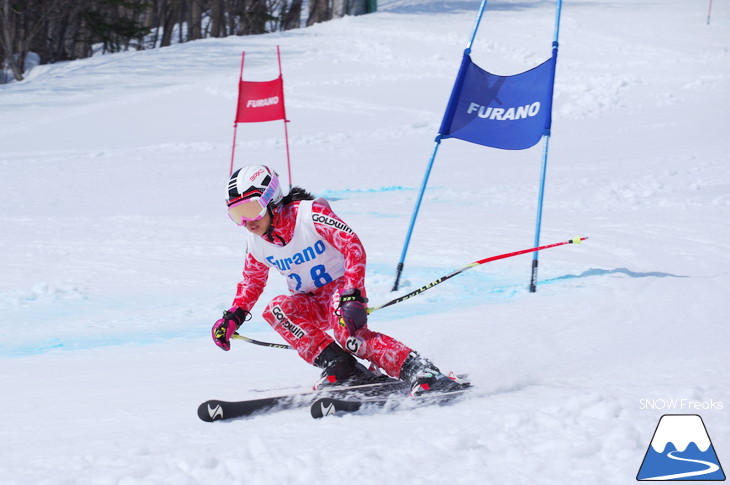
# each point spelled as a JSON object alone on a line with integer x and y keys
{"x": 344, "y": 239}
{"x": 249, "y": 289}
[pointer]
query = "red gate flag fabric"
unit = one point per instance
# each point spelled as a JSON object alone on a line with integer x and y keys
{"x": 260, "y": 101}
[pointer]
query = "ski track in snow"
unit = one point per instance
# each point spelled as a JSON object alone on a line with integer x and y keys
{"x": 118, "y": 255}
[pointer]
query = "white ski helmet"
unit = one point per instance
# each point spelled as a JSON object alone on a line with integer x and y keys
{"x": 250, "y": 192}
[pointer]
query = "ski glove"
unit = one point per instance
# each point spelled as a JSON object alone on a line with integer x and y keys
{"x": 224, "y": 328}
{"x": 353, "y": 311}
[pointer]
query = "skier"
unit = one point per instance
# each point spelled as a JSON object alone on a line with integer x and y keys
{"x": 323, "y": 261}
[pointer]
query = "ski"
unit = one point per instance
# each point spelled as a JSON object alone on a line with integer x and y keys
{"x": 327, "y": 406}
{"x": 216, "y": 410}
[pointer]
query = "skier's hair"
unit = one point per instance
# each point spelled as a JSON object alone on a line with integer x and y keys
{"x": 296, "y": 193}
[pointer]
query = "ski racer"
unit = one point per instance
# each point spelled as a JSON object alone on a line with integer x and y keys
{"x": 323, "y": 262}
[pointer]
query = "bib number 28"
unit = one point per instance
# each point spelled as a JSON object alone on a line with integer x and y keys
{"x": 318, "y": 274}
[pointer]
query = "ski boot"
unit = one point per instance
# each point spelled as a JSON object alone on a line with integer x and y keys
{"x": 423, "y": 377}
{"x": 340, "y": 368}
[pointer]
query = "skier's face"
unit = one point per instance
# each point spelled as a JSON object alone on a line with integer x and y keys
{"x": 259, "y": 227}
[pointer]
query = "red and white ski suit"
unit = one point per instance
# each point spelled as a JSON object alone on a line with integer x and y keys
{"x": 304, "y": 316}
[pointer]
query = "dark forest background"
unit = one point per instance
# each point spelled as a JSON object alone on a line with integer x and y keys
{"x": 62, "y": 30}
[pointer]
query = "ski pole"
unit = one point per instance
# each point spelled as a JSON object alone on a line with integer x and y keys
{"x": 238, "y": 336}
{"x": 575, "y": 240}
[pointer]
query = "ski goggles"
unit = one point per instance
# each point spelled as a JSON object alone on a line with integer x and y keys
{"x": 252, "y": 208}
{"x": 247, "y": 210}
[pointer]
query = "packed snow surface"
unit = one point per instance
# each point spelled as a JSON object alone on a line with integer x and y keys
{"x": 118, "y": 255}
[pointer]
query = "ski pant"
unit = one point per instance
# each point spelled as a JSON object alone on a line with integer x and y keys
{"x": 304, "y": 318}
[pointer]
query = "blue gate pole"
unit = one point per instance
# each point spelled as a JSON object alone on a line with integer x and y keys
{"x": 543, "y": 170}
{"x": 399, "y": 268}
{"x": 538, "y": 224}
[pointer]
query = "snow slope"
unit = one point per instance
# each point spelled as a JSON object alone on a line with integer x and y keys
{"x": 117, "y": 253}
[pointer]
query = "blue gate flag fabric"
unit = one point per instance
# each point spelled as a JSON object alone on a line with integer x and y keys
{"x": 507, "y": 112}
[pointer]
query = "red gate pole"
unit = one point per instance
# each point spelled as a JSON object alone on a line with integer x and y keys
{"x": 235, "y": 123}
{"x": 286, "y": 131}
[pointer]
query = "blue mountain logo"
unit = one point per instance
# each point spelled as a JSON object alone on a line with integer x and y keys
{"x": 681, "y": 450}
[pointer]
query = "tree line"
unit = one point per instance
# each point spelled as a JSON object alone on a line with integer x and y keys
{"x": 63, "y": 30}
